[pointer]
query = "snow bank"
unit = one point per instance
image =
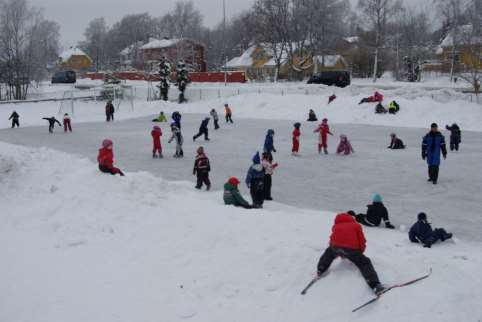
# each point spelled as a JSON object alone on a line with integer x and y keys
{"x": 78, "y": 245}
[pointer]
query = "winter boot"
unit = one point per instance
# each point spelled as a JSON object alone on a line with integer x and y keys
{"x": 325, "y": 150}
{"x": 378, "y": 289}
{"x": 389, "y": 225}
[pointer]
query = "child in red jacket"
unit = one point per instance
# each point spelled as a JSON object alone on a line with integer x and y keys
{"x": 324, "y": 130}
{"x": 156, "y": 142}
{"x": 67, "y": 125}
{"x": 296, "y": 139}
{"x": 106, "y": 159}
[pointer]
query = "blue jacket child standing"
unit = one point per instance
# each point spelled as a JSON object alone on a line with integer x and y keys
{"x": 422, "y": 232}
{"x": 255, "y": 181}
{"x": 269, "y": 144}
{"x": 432, "y": 145}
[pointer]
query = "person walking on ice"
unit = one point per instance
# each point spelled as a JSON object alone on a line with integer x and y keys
{"x": 228, "y": 113}
{"x": 156, "y": 134}
{"x": 203, "y": 130}
{"x": 67, "y": 123}
{"x": 201, "y": 169}
{"x": 106, "y": 158}
{"x": 52, "y": 120}
{"x": 215, "y": 117}
{"x": 177, "y": 135}
{"x": 324, "y": 130}
{"x": 433, "y": 144}
{"x": 455, "y": 136}
{"x": 109, "y": 111}
{"x": 347, "y": 241}
{"x": 268, "y": 167}
{"x": 296, "y": 139}
{"x": 255, "y": 181}
{"x": 14, "y": 117}
{"x": 269, "y": 144}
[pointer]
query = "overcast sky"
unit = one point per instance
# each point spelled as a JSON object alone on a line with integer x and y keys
{"x": 73, "y": 16}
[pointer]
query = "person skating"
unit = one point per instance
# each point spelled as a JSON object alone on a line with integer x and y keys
{"x": 395, "y": 143}
{"x": 109, "y": 111}
{"x": 344, "y": 147}
{"x": 176, "y": 117}
{"x": 268, "y": 167}
{"x": 156, "y": 134}
{"x": 228, "y": 113}
{"x": 347, "y": 241}
{"x": 161, "y": 118}
{"x": 255, "y": 181}
{"x": 433, "y": 145}
{"x": 106, "y": 159}
{"x": 455, "y": 136}
{"x": 269, "y": 144}
{"x": 177, "y": 135}
{"x": 393, "y": 107}
{"x": 232, "y": 196}
{"x": 203, "y": 130}
{"x": 312, "y": 116}
{"x": 376, "y": 212}
{"x": 15, "y": 119}
{"x": 215, "y": 117}
{"x": 67, "y": 123}
{"x": 201, "y": 169}
{"x": 52, "y": 120}
{"x": 422, "y": 232}
{"x": 324, "y": 130}
{"x": 296, "y": 139}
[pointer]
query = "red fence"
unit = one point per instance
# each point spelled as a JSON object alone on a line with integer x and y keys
{"x": 198, "y": 77}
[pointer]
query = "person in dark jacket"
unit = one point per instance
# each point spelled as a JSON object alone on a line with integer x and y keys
{"x": 14, "y": 117}
{"x": 312, "y": 116}
{"x": 269, "y": 144}
{"x": 422, "y": 232}
{"x": 393, "y": 107}
{"x": 455, "y": 136}
{"x": 52, "y": 120}
{"x": 348, "y": 241}
{"x": 109, "y": 111}
{"x": 232, "y": 196}
{"x": 376, "y": 212}
{"x": 380, "y": 109}
{"x": 202, "y": 169}
{"x": 432, "y": 145}
{"x": 255, "y": 181}
{"x": 396, "y": 143}
{"x": 176, "y": 117}
{"x": 203, "y": 130}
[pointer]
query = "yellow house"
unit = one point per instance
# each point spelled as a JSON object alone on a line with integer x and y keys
{"x": 468, "y": 49}
{"x": 75, "y": 59}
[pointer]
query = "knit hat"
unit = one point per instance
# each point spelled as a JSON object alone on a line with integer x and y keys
{"x": 200, "y": 150}
{"x": 256, "y": 158}
{"x": 351, "y": 213}
{"x": 156, "y": 128}
{"x": 107, "y": 143}
{"x": 393, "y": 135}
{"x": 234, "y": 181}
{"x": 297, "y": 125}
{"x": 270, "y": 132}
{"x": 325, "y": 120}
{"x": 377, "y": 198}
{"x": 422, "y": 216}
{"x": 433, "y": 126}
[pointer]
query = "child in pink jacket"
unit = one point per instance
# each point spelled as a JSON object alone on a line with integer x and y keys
{"x": 344, "y": 147}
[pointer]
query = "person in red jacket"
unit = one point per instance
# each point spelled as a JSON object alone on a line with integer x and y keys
{"x": 324, "y": 130}
{"x": 156, "y": 142}
{"x": 296, "y": 139}
{"x": 67, "y": 123}
{"x": 106, "y": 159}
{"x": 347, "y": 241}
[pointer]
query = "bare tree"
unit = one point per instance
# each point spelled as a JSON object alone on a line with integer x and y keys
{"x": 95, "y": 43}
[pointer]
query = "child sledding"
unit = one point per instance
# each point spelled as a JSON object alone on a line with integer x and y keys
{"x": 377, "y": 97}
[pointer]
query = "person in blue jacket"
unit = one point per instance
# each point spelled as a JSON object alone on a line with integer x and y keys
{"x": 255, "y": 181}
{"x": 432, "y": 145}
{"x": 269, "y": 144}
{"x": 422, "y": 232}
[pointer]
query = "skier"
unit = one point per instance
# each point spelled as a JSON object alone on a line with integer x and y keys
{"x": 348, "y": 241}
{"x": 215, "y": 117}
{"x": 432, "y": 145}
{"x": 268, "y": 167}
{"x": 156, "y": 134}
{"x": 296, "y": 139}
{"x": 67, "y": 123}
{"x": 455, "y": 136}
{"x": 393, "y": 107}
{"x": 176, "y": 117}
{"x": 324, "y": 130}
{"x": 161, "y": 118}
{"x": 14, "y": 117}
{"x": 202, "y": 169}
{"x": 422, "y": 232}
{"x": 177, "y": 135}
{"x": 380, "y": 109}
{"x": 395, "y": 143}
{"x": 344, "y": 147}
{"x": 52, "y": 120}
{"x": 376, "y": 212}
{"x": 331, "y": 98}
{"x": 312, "y": 116}
{"x": 232, "y": 196}
{"x": 106, "y": 159}
{"x": 255, "y": 181}
{"x": 269, "y": 144}
{"x": 203, "y": 130}
{"x": 109, "y": 111}
{"x": 229, "y": 113}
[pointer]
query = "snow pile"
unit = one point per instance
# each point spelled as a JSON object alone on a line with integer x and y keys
{"x": 83, "y": 246}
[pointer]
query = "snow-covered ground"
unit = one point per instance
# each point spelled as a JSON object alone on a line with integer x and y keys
{"x": 77, "y": 245}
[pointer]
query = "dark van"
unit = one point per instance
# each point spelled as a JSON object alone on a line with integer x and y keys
{"x": 340, "y": 78}
{"x": 64, "y": 77}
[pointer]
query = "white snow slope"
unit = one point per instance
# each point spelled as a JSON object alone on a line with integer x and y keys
{"x": 77, "y": 245}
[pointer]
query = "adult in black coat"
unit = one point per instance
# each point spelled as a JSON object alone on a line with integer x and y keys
{"x": 14, "y": 117}
{"x": 203, "y": 129}
{"x": 422, "y": 232}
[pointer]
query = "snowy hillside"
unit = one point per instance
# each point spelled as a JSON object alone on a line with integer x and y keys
{"x": 81, "y": 246}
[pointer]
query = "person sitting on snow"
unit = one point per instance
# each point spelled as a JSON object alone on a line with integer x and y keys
{"x": 376, "y": 212}
{"x": 380, "y": 109}
{"x": 160, "y": 118}
{"x": 393, "y": 107}
{"x": 422, "y": 232}
{"x": 347, "y": 241}
{"x": 106, "y": 159}
{"x": 232, "y": 196}
{"x": 377, "y": 97}
{"x": 344, "y": 147}
{"x": 331, "y": 98}
{"x": 52, "y": 120}
{"x": 455, "y": 136}
{"x": 395, "y": 143}
{"x": 312, "y": 116}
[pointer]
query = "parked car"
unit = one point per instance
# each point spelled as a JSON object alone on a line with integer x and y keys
{"x": 64, "y": 77}
{"x": 340, "y": 78}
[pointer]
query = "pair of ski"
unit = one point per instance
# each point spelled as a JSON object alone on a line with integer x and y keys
{"x": 314, "y": 280}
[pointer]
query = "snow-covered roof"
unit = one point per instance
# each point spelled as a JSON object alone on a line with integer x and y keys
{"x": 464, "y": 35}
{"x": 245, "y": 60}
{"x": 330, "y": 60}
{"x": 352, "y": 40}
{"x": 74, "y": 51}
{"x": 161, "y": 43}
{"x": 127, "y": 51}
